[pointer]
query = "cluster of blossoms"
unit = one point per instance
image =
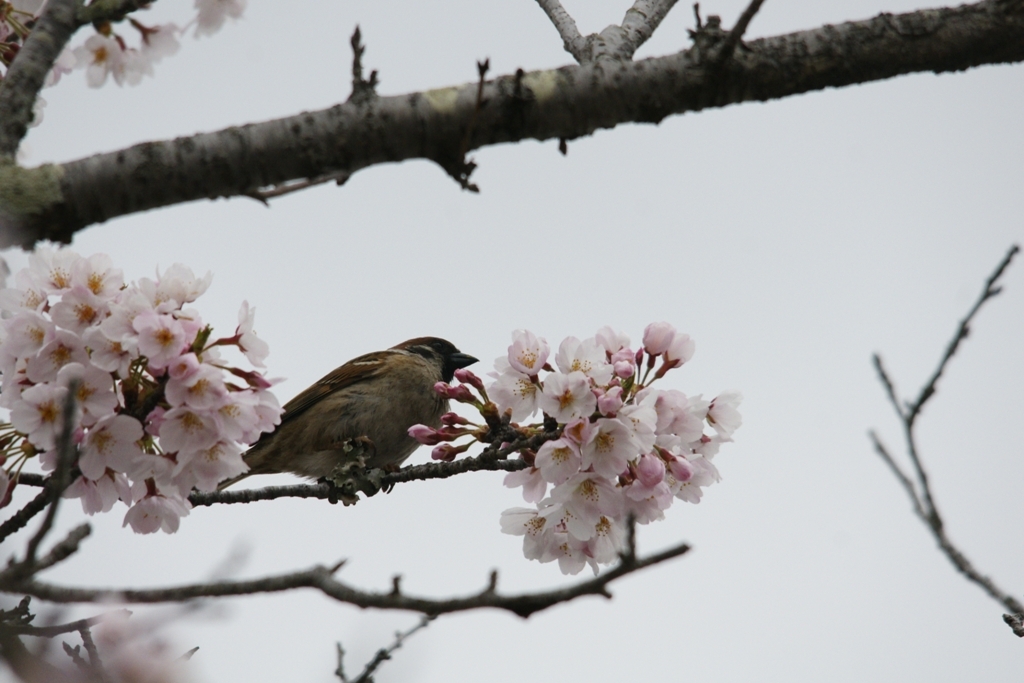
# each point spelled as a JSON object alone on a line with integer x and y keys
{"x": 621, "y": 450}
{"x": 107, "y": 53}
{"x": 158, "y": 411}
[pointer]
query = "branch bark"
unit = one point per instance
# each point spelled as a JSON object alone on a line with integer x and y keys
{"x": 54, "y": 201}
{"x": 322, "y": 579}
{"x": 28, "y": 72}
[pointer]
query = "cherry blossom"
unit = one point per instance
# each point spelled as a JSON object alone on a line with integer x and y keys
{"x": 154, "y": 414}
{"x": 155, "y": 513}
{"x": 587, "y": 357}
{"x": 723, "y": 414}
{"x": 558, "y": 460}
{"x": 212, "y": 14}
{"x": 110, "y": 444}
{"x": 532, "y": 481}
{"x": 626, "y": 450}
{"x": 516, "y": 392}
{"x": 101, "y": 56}
{"x": 528, "y": 353}
{"x": 37, "y": 414}
{"x": 658, "y": 338}
{"x": 567, "y": 397}
{"x": 254, "y": 348}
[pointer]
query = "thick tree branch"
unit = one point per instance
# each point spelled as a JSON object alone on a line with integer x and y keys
{"x": 28, "y": 72}
{"x": 54, "y": 201}
{"x": 921, "y": 495}
{"x": 322, "y": 579}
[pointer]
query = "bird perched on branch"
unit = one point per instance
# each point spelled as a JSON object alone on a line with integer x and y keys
{"x": 371, "y": 400}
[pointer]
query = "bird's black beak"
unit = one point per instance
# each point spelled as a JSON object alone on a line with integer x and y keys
{"x": 461, "y": 360}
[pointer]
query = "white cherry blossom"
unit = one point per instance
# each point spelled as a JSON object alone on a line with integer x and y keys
{"x": 528, "y": 352}
{"x": 567, "y": 397}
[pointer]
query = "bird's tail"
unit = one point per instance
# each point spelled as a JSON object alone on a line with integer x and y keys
{"x": 232, "y": 481}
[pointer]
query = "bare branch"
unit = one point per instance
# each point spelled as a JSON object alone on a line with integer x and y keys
{"x": 60, "y": 629}
{"x": 990, "y": 291}
{"x": 641, "y": 20}
{"x": 382, "y": 655}
{"x": 890, "y": 388}
{"x": 85, "y": 633}
{"x": 736, "y": 34}
{"x": 27, "y": 72}
{"x": 431, "y": 470}
{"x": 924, "y": 503}
{"x": 62, "y": 475}
{"x": 19, "y": 519}
{"x": 108, "y": 10}
{"x": 900, "y": 476}
{"x": 362, "y": 90}
{"x": 1015, "y": 622}
{"x": 55, "y": 201}
{"x": 322, "y": 579}
{"x": 574, "y": 43}
{"x": 340, "y": 177}
{"x": 29, "y": 479}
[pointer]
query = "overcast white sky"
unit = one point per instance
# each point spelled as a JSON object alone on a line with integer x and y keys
{"x": 791, "y": 239}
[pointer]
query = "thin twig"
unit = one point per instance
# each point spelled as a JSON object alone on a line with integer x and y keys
{"x": 900, "y": 476}
{"x": 573, "y": 42}
{"x": 340, "y": 177}
{"x": 62, "y": 475}
{"x": 921, "y": 496}
{"x": 363, "y": 90}
{"x": 19, "y": 519}
{"x": 990, "y": 291}
{"x": 382, "y": 654}
{"x": 736, "y": 34}
{"x": 94, "y": 654}
{"x": 60, "y": 629}
{"x": 431, "y": 470}
{"x": 322, "y": 578}
{"x": 30, "y": 479}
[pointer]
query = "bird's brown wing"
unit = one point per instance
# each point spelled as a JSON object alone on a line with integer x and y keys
{"x": 356, "y": 370}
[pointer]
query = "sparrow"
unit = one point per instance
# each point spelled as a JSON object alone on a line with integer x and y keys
{"x": 372, "y": 400}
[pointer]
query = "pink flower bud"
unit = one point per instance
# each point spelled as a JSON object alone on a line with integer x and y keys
{"x": 452, "y": 419}
{"x": 460, "y": 393}
{"x": 428, "y": 436}
{"x": 650, "y": 470}
{"x": 467, "y": 377}
{"x": 658, "y": 337}
{"x": 681, "y": 469}
{"x": 445, "y": 452}
{"x": 624, "y": 369}
{"x": 611, "y": 401}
